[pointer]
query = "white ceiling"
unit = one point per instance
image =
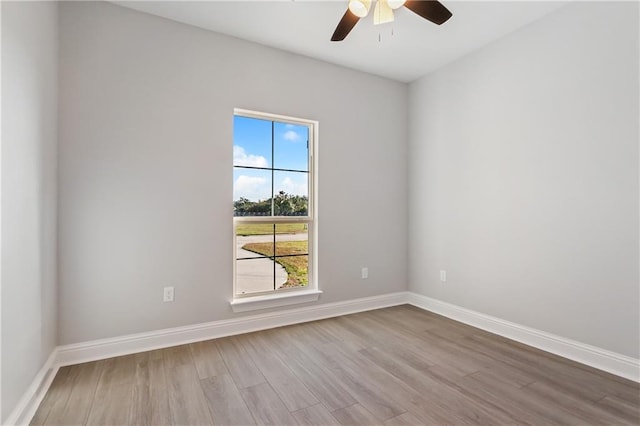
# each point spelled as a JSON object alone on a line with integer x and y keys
{"x": 416, "y": 47}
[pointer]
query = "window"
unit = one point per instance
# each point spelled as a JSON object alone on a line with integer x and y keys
{"x": 273, "y": 204}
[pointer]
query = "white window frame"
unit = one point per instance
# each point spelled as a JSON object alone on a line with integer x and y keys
{"x": 284, "y": 296}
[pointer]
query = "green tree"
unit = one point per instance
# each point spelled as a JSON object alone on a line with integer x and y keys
{"x": 283, "y": 205}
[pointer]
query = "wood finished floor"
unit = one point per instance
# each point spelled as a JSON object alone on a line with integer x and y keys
{"x": 394, "y": 366}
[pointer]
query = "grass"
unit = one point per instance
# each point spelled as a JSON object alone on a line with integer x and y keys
{"x": 267, "y": 228}
{"x": 296, "y": 266}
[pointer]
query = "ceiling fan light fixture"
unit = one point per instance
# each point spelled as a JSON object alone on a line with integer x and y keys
{"x": 396, "y": 4}
{"x": 360, "y": 8}
{"x": 431, "y": 10}
{"x": 382, "y": 13}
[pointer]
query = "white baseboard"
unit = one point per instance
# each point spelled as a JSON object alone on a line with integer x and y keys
{"x": 602, "y": 359}
{"x": 28, "y": 404}
{"x": 133, "y": 343}
{"x": 611, "y": 362}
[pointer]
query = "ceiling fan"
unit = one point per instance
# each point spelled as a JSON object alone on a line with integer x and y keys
{"x": 431, "y": 10}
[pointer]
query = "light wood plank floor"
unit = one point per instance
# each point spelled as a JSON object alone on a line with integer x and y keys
{"x": 394, "y": 366}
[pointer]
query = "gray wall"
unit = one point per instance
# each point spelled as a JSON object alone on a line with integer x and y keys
{"x": 146, "y": 108}
{"x": 29, "y": 138}
{"x": 523, "y": 177}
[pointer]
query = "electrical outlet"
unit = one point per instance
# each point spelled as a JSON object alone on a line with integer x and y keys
{"x": 168, "y": 294}
{"x": 365, "y": 273}
{"x": 443, "y": 276}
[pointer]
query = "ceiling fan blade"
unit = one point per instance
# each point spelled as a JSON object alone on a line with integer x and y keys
{"x": 431, "y": 10}
{"x": 346, "y": 24}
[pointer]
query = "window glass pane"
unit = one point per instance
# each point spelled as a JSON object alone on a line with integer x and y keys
{"x": 291, "y": 149}
{"x": 256, "y": 275}
{"x": 291, "y": 191}
{"x": 292, "y": 244}
{"x": 251, "y": 142}
{"x": 251, "y": 192}
{"x": 297, "y": 268}
{"x": 292, "y": 228}
{"x": 254, "y": 240}
{"x": 292, "y": 239}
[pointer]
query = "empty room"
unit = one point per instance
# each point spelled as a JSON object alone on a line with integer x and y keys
{"x": 341, "y": 212}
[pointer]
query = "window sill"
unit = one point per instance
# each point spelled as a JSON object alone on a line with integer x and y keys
{"x": 255, "y": 303}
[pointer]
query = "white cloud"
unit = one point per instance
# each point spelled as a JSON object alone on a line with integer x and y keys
{"x": 252, "y": 187}
{"x": 289, "y": 126}
{"x": 290, "y": 135}
{"x": 293, "y": 188}
{"x": 241, "y": 158}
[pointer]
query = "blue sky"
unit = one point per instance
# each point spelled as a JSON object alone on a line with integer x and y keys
{"x": 252, "y": 147}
